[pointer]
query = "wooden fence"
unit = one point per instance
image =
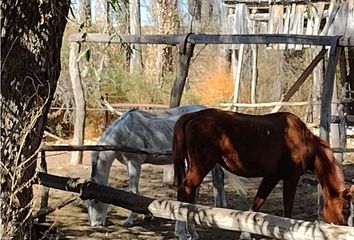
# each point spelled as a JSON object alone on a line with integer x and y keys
{"x": 253, "y": 222}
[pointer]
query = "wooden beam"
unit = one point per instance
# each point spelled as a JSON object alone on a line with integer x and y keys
{"x": 270, "y": 104}
{"x": 261, "y": 39}
{"x": 297, "y": 84}
{"x": 175, "y": 39}
{"x": 327, "y": 90}
{"x": 80, "y": 103}
{"x": 172, "y": 39}
{"x": 346, "y": 41}
{"x": 186, "y": 53}
{"x": 58, "y": 148}
{"x": 234, "y": 220}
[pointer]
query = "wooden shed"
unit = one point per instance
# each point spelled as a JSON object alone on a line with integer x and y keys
{"x": 296, "y": 17}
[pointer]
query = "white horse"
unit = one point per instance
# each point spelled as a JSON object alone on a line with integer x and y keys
{"x": 140, "y": 129}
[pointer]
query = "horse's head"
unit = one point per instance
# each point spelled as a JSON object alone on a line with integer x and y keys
{"x": 339, "y": 210}
{"x": 97, "y": 212}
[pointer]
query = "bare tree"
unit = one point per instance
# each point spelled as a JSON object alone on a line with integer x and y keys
{"x": 85, "y": 11}
{"x": 135, "y": 28}
{"x": 31, "y": 38}
{"x": 167, "y": 23}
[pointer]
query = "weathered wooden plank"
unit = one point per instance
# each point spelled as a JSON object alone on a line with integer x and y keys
{"x": 234, "y": 220}
{"x": 285, "y": 25}
{"x": 266, "y": 3}
{"x": 317, "y": 11}
{"x": 58, "y": 148}
{"x": 332, "y": 11}
{"x": 298, "y": 27}
{"x": 346, "y": 41}
{"x": 80, "y": 103}
{"x": 260, "y": 39}
{"x": 206, "y": 39}
{"x": 186, "y": 53}
{"x": 269, "y": 104}
{"x": 350, "y": 21}
{"x": 275, "y": 23}
{"x": 172, "y": 39}
{"x": 327, "y": 91}
{"x": 339, "y": 24}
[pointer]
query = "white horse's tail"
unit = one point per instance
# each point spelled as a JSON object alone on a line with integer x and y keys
{"x": 238, "y": 184}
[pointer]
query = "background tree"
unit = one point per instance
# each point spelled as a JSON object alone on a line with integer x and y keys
{"x": 167, "y": 22}
{"x": 135, "y": 29}
{"x": 85, "y": 14}
{"x": 31, "y": 38}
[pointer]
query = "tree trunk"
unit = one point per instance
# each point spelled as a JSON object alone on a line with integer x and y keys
{"x": 135, "y": 29}
{"x": 85, "y": 12}
{"x": 31, "y": 38}
{"x": 167, "y": 23}
{"x": 80, "y": 103}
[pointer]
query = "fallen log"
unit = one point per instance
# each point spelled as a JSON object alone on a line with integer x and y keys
{"x": 253, "y": 222}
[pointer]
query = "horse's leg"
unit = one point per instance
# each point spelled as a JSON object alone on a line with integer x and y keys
{"x": 266, "y": 187}
{"x": 134, "y": 170}
{"x": 187, "y": 192}
{"x": 320, "y": 202}
{"x": 218, "y": 184}
{"x": 289, "y": 190}
{"x": 168, "y": 175}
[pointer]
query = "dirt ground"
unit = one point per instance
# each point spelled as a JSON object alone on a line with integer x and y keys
{"x": 71, "y": 221}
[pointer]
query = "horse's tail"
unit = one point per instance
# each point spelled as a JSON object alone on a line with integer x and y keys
{"x": 179, "y": 150}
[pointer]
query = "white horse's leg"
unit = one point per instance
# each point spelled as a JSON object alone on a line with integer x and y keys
{"x": 168, "y": 175}
{"x": 218, "y": 186}
{"x": 185, "y": 231}
{"x": 246, "y": 235}
{"x": 351, "y": 217}
{"x": 134, "y": 170}
{"x": 320, "y": 202}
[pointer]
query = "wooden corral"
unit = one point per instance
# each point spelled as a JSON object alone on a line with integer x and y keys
{"x": 247, "y": 19}
{"x": 187, "y": 43}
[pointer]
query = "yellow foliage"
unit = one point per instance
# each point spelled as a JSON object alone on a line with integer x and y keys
{"x": 215, "y": 88}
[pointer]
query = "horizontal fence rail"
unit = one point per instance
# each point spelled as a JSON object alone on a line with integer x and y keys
{"x": 153, "y": 152}
{"x": 54, "y": 148}
{"x": 175, "y": 39}
{"x": 234, "y": 220}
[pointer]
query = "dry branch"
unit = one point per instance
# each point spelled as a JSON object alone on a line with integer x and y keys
{"x": 45, "y": 211}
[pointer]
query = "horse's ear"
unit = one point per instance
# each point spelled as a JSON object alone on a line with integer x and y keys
{"x": 351, "y": 189}
{"x": 347, "y": 194}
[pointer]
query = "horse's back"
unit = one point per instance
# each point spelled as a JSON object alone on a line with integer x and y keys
{"x": 137, "y": 128}
{"x": 248, "y": 145}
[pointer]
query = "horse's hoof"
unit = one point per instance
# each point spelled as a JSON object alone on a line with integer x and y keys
{"x": 147, "y": 219}
{"x": 245, "y": 236}
{"x": 128, "y": 224}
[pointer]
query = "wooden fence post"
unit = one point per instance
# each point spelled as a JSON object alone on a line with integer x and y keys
{"x": 80, "y": 104}
{"x": 185, "y": 54}
{"x": 326, "y": 99}
{"x": 327, "y": 90}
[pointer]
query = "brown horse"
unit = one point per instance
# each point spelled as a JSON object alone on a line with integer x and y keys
{"x": 276, "y": 147}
